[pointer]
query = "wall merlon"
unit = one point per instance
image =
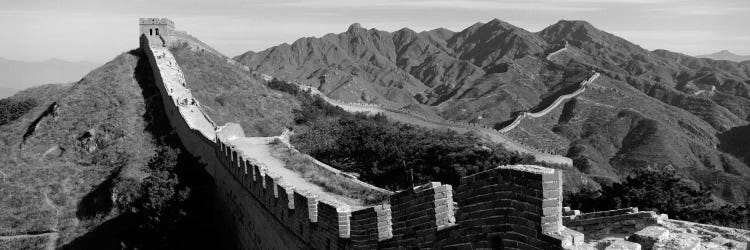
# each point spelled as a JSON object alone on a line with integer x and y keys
{"x": 312, "y": 206}
{"x": 384, "y": 221}
{"x": 289, "y": 191}
{"x": 276, "y": 183}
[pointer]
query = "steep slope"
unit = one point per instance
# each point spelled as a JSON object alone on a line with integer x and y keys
{"x": 94, "y": 166}
{"x": 676, "y": 79}
{"x": 421, "y": 71}
{"x": 487, "y": 45}
{"x": 672, "y": 103}
{"x": 230, "y": 94}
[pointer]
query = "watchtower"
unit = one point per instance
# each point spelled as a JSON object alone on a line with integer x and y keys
{"x": 156, "y": 26}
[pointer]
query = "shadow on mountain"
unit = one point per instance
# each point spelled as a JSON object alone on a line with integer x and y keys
{"x": 186, "y": 224}
{"x": 98, "y": 201}
{"x": 109, "y": 235}
{"x": 735, "y": 142}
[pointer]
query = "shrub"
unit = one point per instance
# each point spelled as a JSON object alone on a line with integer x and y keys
{"x": 663, "y": 192}
{"x": 389, "y": 154}
{"x": 12, "y": 109}
{"x": 330, "y": 181}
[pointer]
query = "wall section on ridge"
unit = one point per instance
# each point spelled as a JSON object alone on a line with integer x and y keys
{"x": 253, "y": 226}
{"x": 509, "y": 207}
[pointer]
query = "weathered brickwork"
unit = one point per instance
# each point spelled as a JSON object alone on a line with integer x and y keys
{"x": 622, "y": 221}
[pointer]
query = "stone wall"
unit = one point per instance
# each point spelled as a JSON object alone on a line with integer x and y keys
{"x": 540, "y": 154}
{"x": 513, "y": 207}
{"x": 509, "y": 207}
{"x": 555, "y": 104}
{"x": 251, "y": 224}
{"x": 155, "y": 27}
{"x": 618, "y": 222}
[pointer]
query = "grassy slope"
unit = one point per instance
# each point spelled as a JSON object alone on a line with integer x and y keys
{"x": 105, "y": 101}
{"x": 60, "y": 179}
{"x": 230, "y": 94}
{"x": 616, "y": 129}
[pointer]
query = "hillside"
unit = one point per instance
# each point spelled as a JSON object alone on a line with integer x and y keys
{"x": 93, "y": 161}
{"x": 650, "y": 109}
{"x": 230, "y": 94}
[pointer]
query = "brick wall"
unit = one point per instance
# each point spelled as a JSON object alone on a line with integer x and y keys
{"x": 321, "y": 225}
{"x": 621, "y": 221}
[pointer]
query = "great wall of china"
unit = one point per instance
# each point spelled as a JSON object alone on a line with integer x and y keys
{"x": 555, "y": 104}
{"x": 509, "y": 207}
{"x": 495, "y": 134}
{"x": 405, "y": 116}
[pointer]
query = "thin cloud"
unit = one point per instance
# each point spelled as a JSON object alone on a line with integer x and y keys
{"x": 424, "y": 4}
{"x": 649, "y": 2}
{"x": 696, "y": 10}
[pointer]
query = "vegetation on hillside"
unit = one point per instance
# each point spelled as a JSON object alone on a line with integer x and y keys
{"x": 11, "y": 108}
{"x": 663, "y": 192}
{"x": 647, "y": 107}
{"x": 98, "y": 163}
{"x": 230, "y": 94}
{"x": 331, "y": 182}
{"x": 385, "y": 153}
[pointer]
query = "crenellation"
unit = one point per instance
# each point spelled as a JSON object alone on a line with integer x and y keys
{"x": 312, "y": 207}
{"x": 289, "y": 193}
{"x": 253, "y": 171}
{"x": 262, "y": 171}
{"x": 344, "y": 219}
{"x": 364, "y": 228}
{"x": 275, "y": 185}
{"x": 620, "y": 221}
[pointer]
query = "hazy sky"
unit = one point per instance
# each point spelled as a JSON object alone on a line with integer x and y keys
{"x": 98, "y": 30}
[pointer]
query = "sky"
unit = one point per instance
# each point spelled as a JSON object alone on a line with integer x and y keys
{"x": 99, "y": 30}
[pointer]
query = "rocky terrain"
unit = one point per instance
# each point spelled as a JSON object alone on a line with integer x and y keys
{"x": 656, "y": 109}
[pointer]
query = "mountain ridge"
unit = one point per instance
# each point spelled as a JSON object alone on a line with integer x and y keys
{"x": 725, "y": 55}
{"x": 489, "y": 72}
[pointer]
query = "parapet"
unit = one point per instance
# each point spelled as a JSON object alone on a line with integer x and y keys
{"x": 621, "y": 221}
{"x": 156, "y": 21}
{"x": 515, "y": 206}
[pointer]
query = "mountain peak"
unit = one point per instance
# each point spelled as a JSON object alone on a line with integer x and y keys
{"x": 574, "y": 25}
{"x": 500, "y": 23}
{"x": 571, "y": 30}
{"x": 354, "y": 27}
{"x": 405, "y": 29}
{"x": 573, "y": 22}
{"x": 726, "y": 55}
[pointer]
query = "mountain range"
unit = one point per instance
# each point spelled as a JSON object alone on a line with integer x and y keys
{"x": 650, "y": 109}
{"x": 19, "y": 75}
{"x": 726, "y": 55}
